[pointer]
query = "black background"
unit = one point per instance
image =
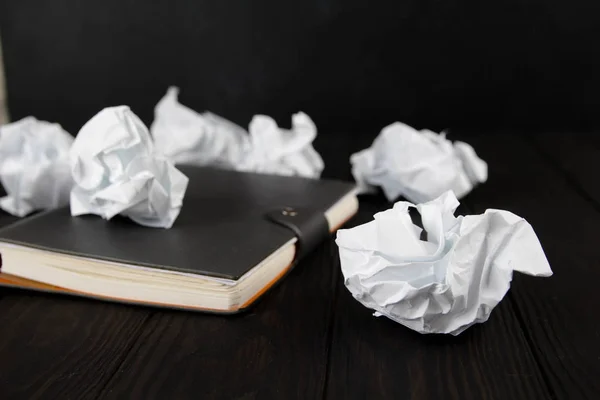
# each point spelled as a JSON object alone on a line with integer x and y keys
{"x": 353, "y": 66}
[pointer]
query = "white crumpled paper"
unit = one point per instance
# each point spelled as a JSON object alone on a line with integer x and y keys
{"x": 186, "y": 136}
{"x": 117, "y": 171}
{"x": 275, "y": 150}
{"x": 447, "y": 283}
{"x": 34, "y": 166}
{"x": 419, "y": 165}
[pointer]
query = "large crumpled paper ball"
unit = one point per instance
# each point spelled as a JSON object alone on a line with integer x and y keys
{"x": 186, "y": 136}
{"x": 446, "y": 283}
{"x": 34, "y": 166}
{"x": 117, "y": 171}
{"x": 283, "y": 151}
{"x": 418, "y": 165}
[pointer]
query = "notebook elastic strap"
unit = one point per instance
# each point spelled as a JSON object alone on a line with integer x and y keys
{"x": 309, "y": 225}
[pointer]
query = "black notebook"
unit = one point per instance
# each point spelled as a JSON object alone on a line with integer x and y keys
{"x": 237, "y": 234}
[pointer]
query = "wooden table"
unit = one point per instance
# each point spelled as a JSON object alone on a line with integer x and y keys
{"x": 308, "y": 339}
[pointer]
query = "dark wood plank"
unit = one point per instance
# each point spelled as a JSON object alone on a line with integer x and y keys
{"x": 377, "y": 358}
{"x": 61, "y": 347}
{"x": 278, "y": 349}
{"x": 559, "y": 314}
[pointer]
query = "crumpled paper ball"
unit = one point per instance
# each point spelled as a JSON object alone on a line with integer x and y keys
{"x": 418, "y": 165}
{"x": 447, "y": 283}
{"x": 275, "y": 150}
{"x": 186, "y": 136}
{"x": 117, "y": 171}
{"x": 34, "y": 166}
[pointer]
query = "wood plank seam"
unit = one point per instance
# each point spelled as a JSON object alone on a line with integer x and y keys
{"x": 530, "y": 342}
{"x": 124, "y": 355}
{"x": 332, "y": 319}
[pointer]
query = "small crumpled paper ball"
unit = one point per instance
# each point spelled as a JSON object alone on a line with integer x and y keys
{"x": 117, "y": 171}
{"x": 418, "y": 165}
{"x": 34, "y": 166}
{"x": 283, "y": 151}
{"x": 186, "y": 136}
{"x": 446, "y": 283}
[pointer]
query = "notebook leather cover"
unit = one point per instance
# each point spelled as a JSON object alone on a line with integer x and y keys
{"x": 230, "y": 221}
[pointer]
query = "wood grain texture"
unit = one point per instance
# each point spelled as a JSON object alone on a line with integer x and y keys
{"x": 56, "y": 347}
{"x": 279, "y": 349}
{"x": 559, "y": 314}
{"x": 378, "y": 358}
